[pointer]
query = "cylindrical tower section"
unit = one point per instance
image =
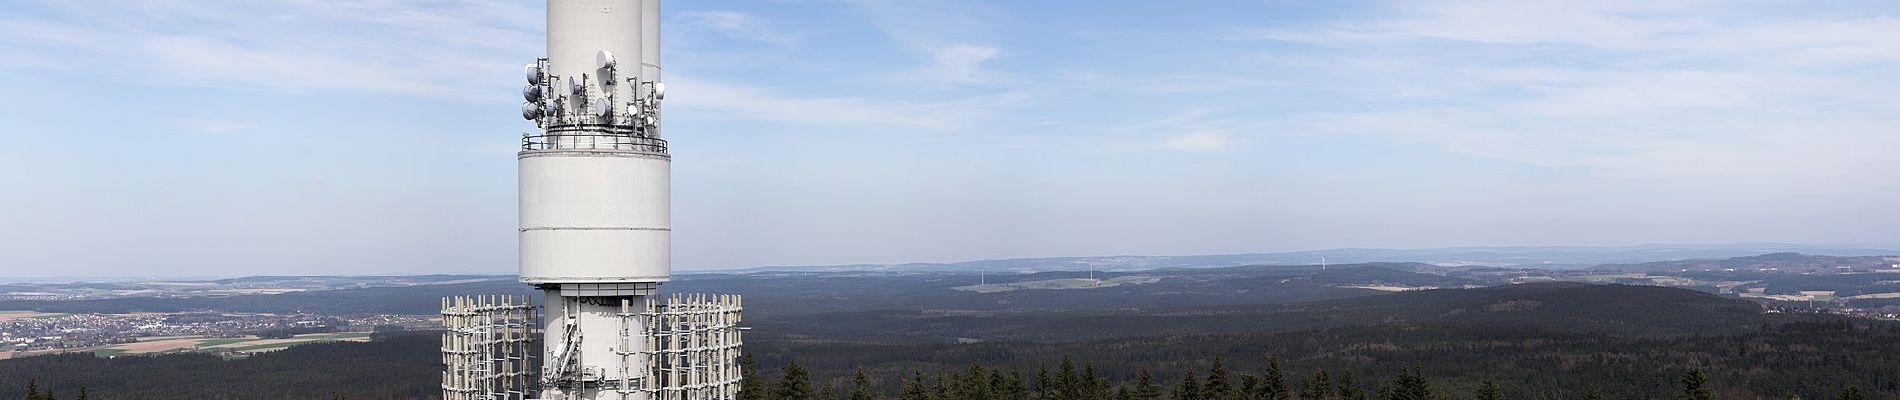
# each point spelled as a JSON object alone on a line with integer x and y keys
{"x": 595, "y": 185}
{"x": 650, "y": 40}
{"x": 650, "y": 52}
{"x": 582, "y": 36}
{"x": 595, "y": 216}
{"x": 595, "y": 200}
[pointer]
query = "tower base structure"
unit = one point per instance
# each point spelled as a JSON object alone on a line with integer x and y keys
{"x": 596, "y": 345}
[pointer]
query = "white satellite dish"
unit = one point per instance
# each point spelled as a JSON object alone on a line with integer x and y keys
{"x": 603, "y": 108}
{"x": 659, "y": 90}
{"x": 531, "y": 93}
{"x": 573, "y": 85}
{"x": 603, "y": 59}
{"x": 530, "y": 111}
{"x": 533, "y": 71}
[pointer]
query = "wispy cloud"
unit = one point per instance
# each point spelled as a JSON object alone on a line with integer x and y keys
{"x": 954, "y": 39}
{"x": 737, "y": 26}
{"x": 744, "y": 101}
{"x": 1638, "y": 91}
{"x": 961, "y": 62}
{"x": 440, "y": 49}
{"x": 1685, "y": 28}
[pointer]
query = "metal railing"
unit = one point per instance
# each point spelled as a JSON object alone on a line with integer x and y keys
{"x": 592, "y": 137}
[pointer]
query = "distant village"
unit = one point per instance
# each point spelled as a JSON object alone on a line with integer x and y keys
{"x": 229, "y": 334}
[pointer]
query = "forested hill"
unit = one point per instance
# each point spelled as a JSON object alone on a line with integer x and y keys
{"x": 1536, "y": 340}
{"x": 784, "y": 294}
{"x": 1778, "y": 262}
{"x": 1562, "y": 307}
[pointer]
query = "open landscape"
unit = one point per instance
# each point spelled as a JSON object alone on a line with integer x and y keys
{"x": 1374, "y": 319}
{"x": 949, "y": 200}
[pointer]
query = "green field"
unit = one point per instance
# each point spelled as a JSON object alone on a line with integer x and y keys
{"x": 305, "y": 339}
{"x": 221, "y": 341}
{"x": 203, "y": 344}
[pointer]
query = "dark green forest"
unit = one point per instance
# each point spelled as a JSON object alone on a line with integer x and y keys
{"x": 1069, "y": 382}
{"x": 1813, "y": 360}
{"x": 908, "y": 336}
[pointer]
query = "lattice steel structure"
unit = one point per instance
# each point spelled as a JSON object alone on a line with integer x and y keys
{"x": 687, "y": 349}
{"x": 692, "y": 347}
{"x": 487, "y": 348}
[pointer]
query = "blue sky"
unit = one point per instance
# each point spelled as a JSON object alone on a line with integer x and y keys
{"x": 171, "y": 137}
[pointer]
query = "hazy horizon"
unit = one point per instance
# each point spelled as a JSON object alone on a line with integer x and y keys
{"x": 230, "y": 138}
{"x": 1812, "y": 247}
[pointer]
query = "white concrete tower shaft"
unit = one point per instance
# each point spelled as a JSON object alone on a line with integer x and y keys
{"x": 595, "y": 182}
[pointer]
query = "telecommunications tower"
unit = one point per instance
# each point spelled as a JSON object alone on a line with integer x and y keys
{"x": 595, "y": 237}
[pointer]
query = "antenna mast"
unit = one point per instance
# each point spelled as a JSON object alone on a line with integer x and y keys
{"x": 595, "y": 237}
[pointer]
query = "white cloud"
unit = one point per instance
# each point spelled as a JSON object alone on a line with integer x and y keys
{"x": 1631, "y": 91}
{"x": 761, "y": 104}
{"x": 452, "y": 50}
{"x": 1684, "y": 28}
{"x": 961, "y": 62}
{"x": 954, "y": 37}
{"x": 739, "y": 26}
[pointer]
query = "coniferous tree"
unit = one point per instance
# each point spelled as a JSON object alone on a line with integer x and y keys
{"x": 750, "y": 386}
{"x": 1348, "y": 388}
{"x": 32, "y": 389}
{"x": 1097, "y": 388}
{"x": 861, "y": 386}
{"x": 999, "y": 385}
{"x": 1695, "y": 386}
{"x": 975, "y": 385}
{"x": 1249, "y": 387}
{"x": 1217, "y": 385}
{"x": 1190, "y": 388}
{"x": 943, "y": 388}
{"x": 1596, "y": 393}
{"x": 1489, "y": 391}
{"x": 794, "y": 385}
{"x": 1273, "y": 381}
{"x": 1068, "y": 383}
{"x": 828, "y": 392}
{"x": 1318, "y": 388}
{"x": 1145, "y": 388}
{"x": 1045, "y": 388}
{"x": 1016, "y": 390}
{"x": 1852, "y": 393}
{"x": 1411, "y": 386}
{"x": 82, "y": 393}
{"x": 914, "y": 389}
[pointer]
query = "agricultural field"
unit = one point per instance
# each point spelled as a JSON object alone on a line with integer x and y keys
{"x": 252, "y": 344}
{"x": 13, "y": 315}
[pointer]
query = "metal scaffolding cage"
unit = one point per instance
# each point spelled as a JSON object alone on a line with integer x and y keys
{"x": 692, "y": 347}
{"x": 487, "y": 347}
{"x": 682, "y": 347}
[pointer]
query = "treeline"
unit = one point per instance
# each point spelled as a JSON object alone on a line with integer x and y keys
{"x": 1813, "y": 360}
{"x": 1067, "y": 382}
{"x": 394, "y": 366}
{"x": 33, "y": 392}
